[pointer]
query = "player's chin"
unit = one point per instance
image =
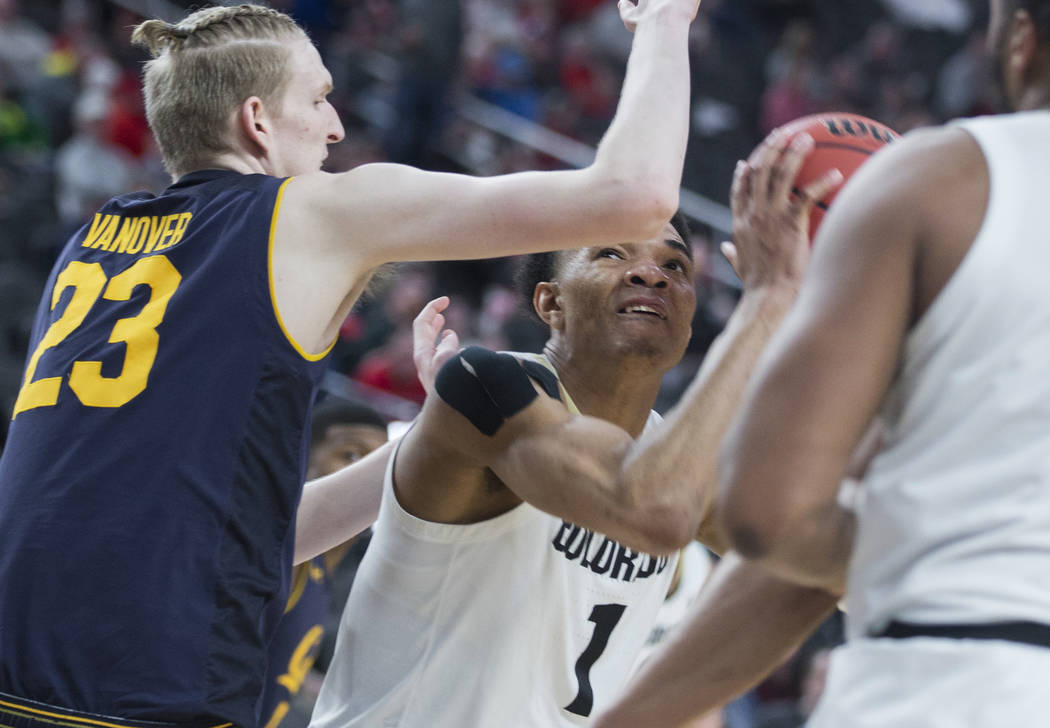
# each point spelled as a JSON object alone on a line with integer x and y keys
{"x": 656, "y": 346}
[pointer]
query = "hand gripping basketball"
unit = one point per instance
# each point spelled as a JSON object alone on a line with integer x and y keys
{"x": 840, "y": 141}
{"x": 790, "y": 181}
{"x": 770, "y": 219}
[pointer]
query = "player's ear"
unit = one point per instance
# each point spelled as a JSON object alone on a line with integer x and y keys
{"x": 253, "y": 124}
{"x": 546, "y": 301}
{"x": 1023, "y": 41}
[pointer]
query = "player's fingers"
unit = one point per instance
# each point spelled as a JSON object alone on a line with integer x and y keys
{"x": 425, "y": 317}
{"x": 425, "y": 327}
{"x": 629, "y": 12}
{"x": 446, "y": 348}
{"x": 820, "y": 188}
{"x": 788, "y": 166}
{"x": 740, "y": 190}
{"x": 763, "y": 160}
{"x": 729, "y": 251}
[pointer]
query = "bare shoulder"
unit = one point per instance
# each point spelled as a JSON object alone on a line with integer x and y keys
{"x": 907, "y": 188}
{"x": 442, "y": 472}
{"x": 313, "y": 214}
{"x": 906, "y": 218}
{"x": 920, "y": 165}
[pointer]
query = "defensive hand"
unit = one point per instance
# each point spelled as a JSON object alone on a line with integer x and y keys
{"x": 432, "y": 347}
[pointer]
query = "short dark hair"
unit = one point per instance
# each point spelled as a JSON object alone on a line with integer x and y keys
{"x": 1040, "y": 12}
{"x": 539, "y": 267}
{"x": 334, "y": 411}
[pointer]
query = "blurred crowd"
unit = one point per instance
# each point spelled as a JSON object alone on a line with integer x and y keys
{"x": 73, "y": 133}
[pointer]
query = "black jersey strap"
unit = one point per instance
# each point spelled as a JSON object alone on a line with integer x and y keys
{"x": 543, "y": 376}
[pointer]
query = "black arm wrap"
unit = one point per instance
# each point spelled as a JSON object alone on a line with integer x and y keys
{"x": 485, "y": 387}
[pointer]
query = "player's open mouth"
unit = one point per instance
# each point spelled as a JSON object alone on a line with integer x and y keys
{"x": 639, "y": 308}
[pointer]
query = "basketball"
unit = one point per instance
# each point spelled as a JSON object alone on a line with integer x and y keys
{"x": 843, "y": 142}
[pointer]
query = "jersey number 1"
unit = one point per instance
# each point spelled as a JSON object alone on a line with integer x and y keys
{"x": 605, "y": 618}
{"x": 139, "y": 333}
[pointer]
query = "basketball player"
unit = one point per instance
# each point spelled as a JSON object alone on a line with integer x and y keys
{"x": 926, "y": 303}
{"x": 158, "y": 443}
{"x": 342, "y": 432}
{"x": 515, "y": 572}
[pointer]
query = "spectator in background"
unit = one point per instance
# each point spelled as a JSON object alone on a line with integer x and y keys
{"x": 18, "y": 131}
{"x": 690, "y": 574}
{"x": 89, "y": 169}
{"x": 791, "y": 72}
{"x": 23, "y": 47}
{"x": 389, "y": 368}
{"x": 431, "y": 39}
{"x": 343, "y": 432}
{"x": 963, "y": 80}
{"x": 391, "y": 307}
{"x": 788, "y": 98}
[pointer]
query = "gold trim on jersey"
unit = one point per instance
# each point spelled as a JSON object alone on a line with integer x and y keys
{"x": 273, "y": 291}
{"x": 77, "y": 721}
{"x": 542, "y": 360}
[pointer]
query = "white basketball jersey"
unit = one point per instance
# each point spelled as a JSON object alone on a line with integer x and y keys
{"x": 521, "y": 620}
{"x": 954, "y": 526}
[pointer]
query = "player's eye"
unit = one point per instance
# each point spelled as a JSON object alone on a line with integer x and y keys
{"x": 610, "y": 253}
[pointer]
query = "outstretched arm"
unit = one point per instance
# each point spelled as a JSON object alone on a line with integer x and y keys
{"x": 333, "y": 230}
{"x": 744, "y": 624}
{"x": 335, "y": 508}
{"x": 382, "y": 212}
{"x": 652, "y": 494}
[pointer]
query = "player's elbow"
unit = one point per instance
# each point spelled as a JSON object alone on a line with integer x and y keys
{"x": 648, "y": 207}
{"x": 745, "y": 536}
{"x": 638, "y": 207}
{"x": 664, "y": 529}
{"x": 747, "y": 524}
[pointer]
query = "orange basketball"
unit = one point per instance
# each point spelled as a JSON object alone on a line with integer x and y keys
{"x": 843, "y": 142}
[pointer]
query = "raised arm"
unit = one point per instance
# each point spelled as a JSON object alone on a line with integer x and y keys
{"x": 332, "y": 231}
{"x": 877, "y": 265}
{"x": 382, "y": 212}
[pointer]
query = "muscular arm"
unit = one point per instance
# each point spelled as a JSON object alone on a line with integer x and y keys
{"x": 653, "y": 494}
{"x": 876, "y": 266}
{"x": 744, "y": 624}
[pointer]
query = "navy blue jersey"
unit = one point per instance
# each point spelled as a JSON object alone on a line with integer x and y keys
{"x": 295, "y": 647}
{"x": 154, "y": 463}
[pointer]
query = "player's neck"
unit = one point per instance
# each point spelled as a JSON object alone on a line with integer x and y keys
{"x": 1035, "y": 98}
{"x": 608, "y": 387}
{"x": 245, "y": 164}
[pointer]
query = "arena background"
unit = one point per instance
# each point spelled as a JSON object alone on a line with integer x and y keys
{"x": 479, "y": 86}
